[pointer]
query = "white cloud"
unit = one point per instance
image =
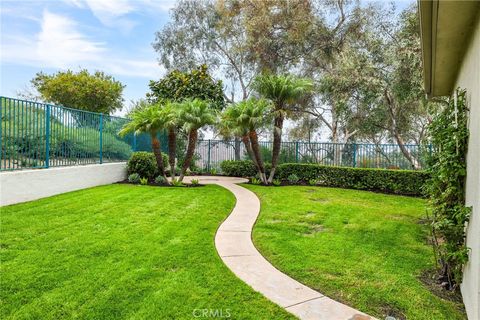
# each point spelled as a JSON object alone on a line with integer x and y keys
{"x": 60, "y": 44}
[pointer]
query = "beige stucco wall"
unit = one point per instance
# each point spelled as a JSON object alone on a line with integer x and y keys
{"x": 27, "y": 185}
{"x": 469, "y": 78}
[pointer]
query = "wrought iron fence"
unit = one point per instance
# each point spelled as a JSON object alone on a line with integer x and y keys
{"x": 38, "y": 135}
{"x": 210, "y": 153}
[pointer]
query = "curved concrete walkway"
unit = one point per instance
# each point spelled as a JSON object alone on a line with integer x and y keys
{"x": 234, "y": 245}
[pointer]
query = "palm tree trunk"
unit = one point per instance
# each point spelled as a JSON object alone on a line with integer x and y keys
{"x": 248, "y": 147}
{"x": 192, "y": 141}
{"x": 237, "y": 143}
{"x": 158, "y": 154}
{"x": 172, "y": 149}
{"x": 258, "y": 157}
{"x": 277, "y": 142}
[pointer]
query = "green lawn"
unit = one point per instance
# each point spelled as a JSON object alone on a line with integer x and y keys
{"x": 362, "y": 248}
{"x": 121, "y": 251}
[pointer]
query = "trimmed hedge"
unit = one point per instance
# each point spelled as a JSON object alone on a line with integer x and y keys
{"x": 243, "y": 168}
{"x": 406, "y": 182}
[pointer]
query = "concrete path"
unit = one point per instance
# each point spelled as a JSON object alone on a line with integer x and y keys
{"x": 234, "y": 245}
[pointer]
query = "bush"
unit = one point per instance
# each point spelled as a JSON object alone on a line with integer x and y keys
{"x": 406, "y": 182}
{"x": 160, "y": 180}
{"x": 244, "y": 168}
{"x": 293, "y": 178}
{"x": 143, "y": 181}
{"x": 143, "y": 163}
{"x": 195, "y": 182}
{"x": 134, "y": 178}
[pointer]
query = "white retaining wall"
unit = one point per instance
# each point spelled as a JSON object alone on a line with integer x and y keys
{"x": 27, "y": 185}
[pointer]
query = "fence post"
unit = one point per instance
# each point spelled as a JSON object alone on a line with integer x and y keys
{"x": 296, "y": 151}
{"x": 354, "y": 154}
{"x": 101, "y": 137}
{"x": 208, "y": 156}
{"x": 47, "y": 138}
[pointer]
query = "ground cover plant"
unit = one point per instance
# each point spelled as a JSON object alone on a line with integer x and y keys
{"x": 365, "y": 249}
{"x": 133, "y": 252}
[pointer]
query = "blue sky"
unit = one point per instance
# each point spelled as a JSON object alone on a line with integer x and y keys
{"x": 114, "y": 36}
{"x": 110, "y": 35}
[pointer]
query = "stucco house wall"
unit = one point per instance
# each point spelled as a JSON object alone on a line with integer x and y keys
{"x": 469, "y": 79}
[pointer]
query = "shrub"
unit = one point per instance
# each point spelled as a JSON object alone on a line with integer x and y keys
{"x": 255, "y": 181}
{"x": 195, "y": 182}
{"x": 244, "y": 168}
{"x": 143, "y": 163}
{"x": 406, "y": 182}
{"x": 160, "y": 180}
{"x": 177, "y": 183}
{"x": 143, "y": 181}
{"x": 134, "y": 178}
{"x": 312, "y": 182}
{"x": 293, "y": 178}
{"x": 277, "y": 182}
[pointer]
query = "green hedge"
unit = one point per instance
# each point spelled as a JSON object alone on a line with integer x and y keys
{"x": 406, "y": 182}
{"x": 244, "y": 168}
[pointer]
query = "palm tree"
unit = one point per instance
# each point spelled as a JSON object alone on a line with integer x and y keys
{"x": 148, "y": 119}
{"x": 194, "y": 114}
{"x": 244, "y": 119}
{"x": 170, "y": 116}
{"x": 285, "y": 91}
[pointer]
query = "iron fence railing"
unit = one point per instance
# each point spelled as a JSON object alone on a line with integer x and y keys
{"x": 210, "y": 153}
{"x": 39, "y": 135}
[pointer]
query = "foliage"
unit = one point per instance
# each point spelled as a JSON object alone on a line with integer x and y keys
{"x": 277, "y": 182}
{"x": 178, "y": 86}
{"x": 242, "y": 168}
{"x": 134, "y": 178}
{"x": 143, "y": 181}
{"x": 161, "y": 180}
{"x": 293, "y": 178}
{"x": 313, "y": 182}
{"x": 366, "y": 249}
{"x": 177, "y": 183}
{"x": 407, "y": 182}
{"x": 255, "y": 181}
{"x": 446, "y": 187}
{"x": 195, "y": 182}
{"x": 142, "y": 163}
{"x": 95, "y": 92}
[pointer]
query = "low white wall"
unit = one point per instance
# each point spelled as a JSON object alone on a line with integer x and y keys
{"x": 27, "y": 185}
{"x": 469, "y": 79}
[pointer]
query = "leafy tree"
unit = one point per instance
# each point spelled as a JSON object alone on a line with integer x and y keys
{"x": 285, "y": 92}
{"x": 178, "y": 86}
{"x": 194, "y": 114}
{"x": 95, "y": 92}
{"x": 148, "y": 119}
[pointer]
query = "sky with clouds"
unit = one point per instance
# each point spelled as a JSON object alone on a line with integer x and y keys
{"x": 110, "y": 35}
{"x": 114, "y": 36}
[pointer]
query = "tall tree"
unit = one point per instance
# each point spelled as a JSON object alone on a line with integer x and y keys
{"x": 286, "y": 92}
{"x": 97, "y": 92}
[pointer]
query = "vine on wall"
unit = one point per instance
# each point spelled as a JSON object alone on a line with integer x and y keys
{"x": 446, "y": 188}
